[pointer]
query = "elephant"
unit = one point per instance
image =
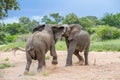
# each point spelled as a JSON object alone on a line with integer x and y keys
{"x": 37, "y": 28}
{"x": 39, "y": 43}
{"x": 77, "y": 40}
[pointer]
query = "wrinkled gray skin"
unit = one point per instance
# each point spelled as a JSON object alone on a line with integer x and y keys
{"x": 39, "y": 43}
{"x": 38, "y": 28}
{"x": 77, "y": 41}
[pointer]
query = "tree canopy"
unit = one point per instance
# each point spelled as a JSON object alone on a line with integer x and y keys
{"x": 71, "y": 19}
{"x": 6, "y": 5}
{"x": 112, "y": 19}
{"x": 53, "y": 18}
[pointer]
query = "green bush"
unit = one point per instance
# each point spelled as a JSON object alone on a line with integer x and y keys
{"x": 2, "y": 37}
{"x": 106, "y": 32}
{"x": 91, "y": 30}
{"x": 10, "y": 38}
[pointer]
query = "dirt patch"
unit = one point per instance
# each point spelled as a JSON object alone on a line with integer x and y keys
{"x": 102, "y": 66}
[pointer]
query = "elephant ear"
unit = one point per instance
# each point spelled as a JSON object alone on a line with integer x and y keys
{"x": 39, "y": 28}
{"x": 57, "y": 32}
{"x": 74, "y": 29}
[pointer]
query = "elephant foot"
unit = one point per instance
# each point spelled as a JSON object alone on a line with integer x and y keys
{"x": 68, "y": 65}
{"x": 26, "y": 72}
{"x": 41, "y": 70}
{"x": 54, "y": 62}
{"x": 86, "y": 64}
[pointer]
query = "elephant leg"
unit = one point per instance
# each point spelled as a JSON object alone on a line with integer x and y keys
{"x": 81, "y": 60}
{"x": 54, "y": 55}
{"x": 41, "y": 63}
{"x": 86, "y": 56}
{"x": 71, "y": 50}
{"x": 29, "y": 61}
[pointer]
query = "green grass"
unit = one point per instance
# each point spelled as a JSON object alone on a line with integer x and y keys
{"x": 10, "y": 46}
{"x": 45, "y": 73}
{"x": 47, "y": 57}
{"x": 6, "y": 64}
{"x": 61, "y": 45}
{"x": 108, "y": 45}
{"x": 31, "y": 73}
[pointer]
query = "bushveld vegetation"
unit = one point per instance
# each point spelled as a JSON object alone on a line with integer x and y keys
{"x": 104, "y": 32}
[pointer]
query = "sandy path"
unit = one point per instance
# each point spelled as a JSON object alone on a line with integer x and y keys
{"x": 107, "y": 67}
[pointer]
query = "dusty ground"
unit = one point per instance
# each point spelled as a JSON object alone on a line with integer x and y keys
{"x": 102, "y": 66}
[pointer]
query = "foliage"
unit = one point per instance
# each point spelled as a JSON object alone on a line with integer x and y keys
{"x": 71, "y": 19}
{"x": 6, "y": 5}
{"x": 57, "y": 18}
{"x": 61, "y": 45}
{"x": 22, "y": 38}
{"x": 24, "y": 20}
{"x": 46, "y": 20}
{"x": 28, "y": 24}
{"x": 88, "y": 21}
{"x": 53, "y": 18}
{"x": 10, "y": 38}
{"x": 10, "y": 46}
{"x": 107, "y": 32}
{"x": 2, "y": 37}
{"x": 14, "y": 29}
{"x": 107, "y": 45}
{"x": 5, "y": 65}
{"x": 111, "y": 19}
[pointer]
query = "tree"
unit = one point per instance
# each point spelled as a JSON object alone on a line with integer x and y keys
{"x": 88, "y": 21}
{"x": 13, "y": 29}
{"x": 111, "y": 19}
{"x": 24, "y": 20}
{"x": 6, "y": 5}
{"x": 31, "y": 25}
{"x": 28, "y": 24}
{"x": 53, "y": 18}
{"x": 71, "y": 19}
{"x": 57, "y": 18}
{"x": 46, "y": 20}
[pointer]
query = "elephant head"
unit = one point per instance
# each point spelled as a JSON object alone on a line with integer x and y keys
{"x": 57, "y": 31}
{"x": 71, "y": 30}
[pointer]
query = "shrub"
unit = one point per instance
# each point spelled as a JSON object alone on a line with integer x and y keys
{"x": 10, "y": 38}
{"x": 2, "y": 37}
{"x": 91, "y": 30}
{"x": 107, "y": 32}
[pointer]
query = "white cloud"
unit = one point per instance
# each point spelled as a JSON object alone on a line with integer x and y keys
{"x": 37, "y": 18}
{"x": 11, "y": 20}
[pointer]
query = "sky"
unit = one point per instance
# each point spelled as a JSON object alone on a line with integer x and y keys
{"x": 35, "y": 9}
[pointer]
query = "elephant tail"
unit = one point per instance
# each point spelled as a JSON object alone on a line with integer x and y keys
{"x": 17, "y": 48}
{"x": 32, "y": 53}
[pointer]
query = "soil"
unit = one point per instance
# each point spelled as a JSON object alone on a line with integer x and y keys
{"x": 102, "y": 66}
